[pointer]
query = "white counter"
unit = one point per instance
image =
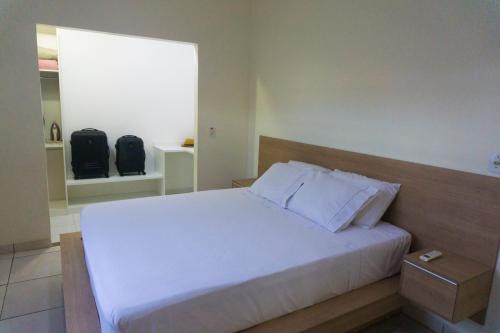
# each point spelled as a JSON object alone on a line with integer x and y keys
{"x": 175, "y": 149}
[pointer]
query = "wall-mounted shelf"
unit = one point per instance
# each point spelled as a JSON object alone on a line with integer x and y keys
{"x": 79, "y": 202}
{"x": 49, "y": 73}
{"x": 173, "y": 174}
{"x": 82, "y": 192}
{"x": 113, "y": 179}
{"x": 53, "y": 145}
{"x": 175, "y": 149}
{"x": 43, "y": 70}
{"x": 452, "y": 286}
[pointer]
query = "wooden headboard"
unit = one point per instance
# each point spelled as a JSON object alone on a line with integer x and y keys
{"x": 454, "y": 211}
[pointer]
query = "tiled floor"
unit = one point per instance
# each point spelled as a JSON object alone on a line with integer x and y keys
{"x": 62, "y": 220}
{"x": 31, "y": 292}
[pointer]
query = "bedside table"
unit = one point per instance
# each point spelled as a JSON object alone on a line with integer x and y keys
{"x": 243, "y": 182}
{"x": 452, "y": 286}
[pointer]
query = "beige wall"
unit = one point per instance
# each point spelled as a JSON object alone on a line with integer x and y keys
{"x": 219, "y": 27}
{"x": 416, "y": 80}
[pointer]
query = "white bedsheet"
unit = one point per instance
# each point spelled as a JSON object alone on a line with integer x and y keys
{"x": 221, "y": 261}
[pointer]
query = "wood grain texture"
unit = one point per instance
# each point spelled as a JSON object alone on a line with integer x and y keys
{"x": 79, "y": 304}
{"x": 454, "y": 211}
{"x": 426, "y": 290}
{"x": 243, "y": 182}
{"x": 340, "y": 314}
{"x": 450, "y": 266}
{"x": 453, "y": 288}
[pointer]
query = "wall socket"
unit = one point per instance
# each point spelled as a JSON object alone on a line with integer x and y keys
{"x": 494, "y": 165}
{"x": 211, "y": 132}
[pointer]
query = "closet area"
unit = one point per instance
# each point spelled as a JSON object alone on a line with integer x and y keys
{"x": 119, "y": 118}
{"x": 51, "y": 109}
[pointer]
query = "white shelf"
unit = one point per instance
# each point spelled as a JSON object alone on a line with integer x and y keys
{"x": 113, "y": 179}
{"x": 53, "y": 145}
{"x": 43, "y": 70}
{"x": 82, "y": 201}
{"x": 175, "y": 149}
{"x": 49, "y": 73}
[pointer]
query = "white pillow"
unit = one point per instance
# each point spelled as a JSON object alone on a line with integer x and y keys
{"x": 370, "y": 215}
{"x": 279, "y": 183}
{"x": 329, "y": 201}
{"x": 309, "y": 166}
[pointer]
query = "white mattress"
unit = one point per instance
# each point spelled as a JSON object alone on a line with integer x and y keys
{"x": 222, "y": 261}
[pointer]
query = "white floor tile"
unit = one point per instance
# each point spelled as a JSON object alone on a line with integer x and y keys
{"x": 61, "y": 221}
{"x": 61, "y": 224}
{"x": 39, "y": 251}
{"x": 50, "y": 321}
{"x": 55, "y": 232}
{"x": 75, "y": 209}
{"x": 76, "y": 220}
{"x": 55, "y": 237}
{"x": 58, "y": 212}
{"x": 32, "y": 296}
{"x": 58, "y": 208}
{"x": 35, "y": 266}
{"x": 4, "y": 270}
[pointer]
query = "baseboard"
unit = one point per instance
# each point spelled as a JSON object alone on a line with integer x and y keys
{"x": 32, "y": 245}
{"x": 6, "y": 249}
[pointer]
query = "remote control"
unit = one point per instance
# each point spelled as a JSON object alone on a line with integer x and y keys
{"x": 431, "y": 255}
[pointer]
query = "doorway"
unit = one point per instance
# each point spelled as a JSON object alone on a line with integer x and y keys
{"x": 120, "y": 85}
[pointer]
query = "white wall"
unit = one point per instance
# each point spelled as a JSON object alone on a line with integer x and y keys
{"x": 51, "y": 104}
{"x": 220, "y": 28}
{"x": 413, "y": 80}
{"x": 127, "y": 85}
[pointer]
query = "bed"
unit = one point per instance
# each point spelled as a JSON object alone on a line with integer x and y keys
{"x": 440, "y": 208}
{"x": 222, "y": 261}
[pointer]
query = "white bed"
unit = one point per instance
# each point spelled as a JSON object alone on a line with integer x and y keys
{"x": 222, "y": 261}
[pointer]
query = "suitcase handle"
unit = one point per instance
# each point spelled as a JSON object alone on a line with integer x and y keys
{"x": 89, "y": 129}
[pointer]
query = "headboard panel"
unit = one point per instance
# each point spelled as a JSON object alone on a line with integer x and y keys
{"x": 445, "y": 209}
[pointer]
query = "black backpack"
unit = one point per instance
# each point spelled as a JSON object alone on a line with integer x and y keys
{"x": 130, "y": 155}
{"x": 89, "y": 153}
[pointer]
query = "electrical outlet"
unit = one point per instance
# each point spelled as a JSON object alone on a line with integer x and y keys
{"x": 212, "y": 132}
{"x": 494, "y": 165}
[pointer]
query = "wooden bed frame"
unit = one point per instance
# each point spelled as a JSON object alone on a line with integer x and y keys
{"x": 450, "y": 210}
{"x": 340, "y": 314}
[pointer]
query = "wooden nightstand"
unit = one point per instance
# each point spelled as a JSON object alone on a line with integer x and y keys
{"x": 452, "y": 286}
{"x": 243, "y": 182}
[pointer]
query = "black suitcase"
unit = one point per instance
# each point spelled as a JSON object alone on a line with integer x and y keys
{"x": 130, "y": 155}
{"x": 89, "y": 154}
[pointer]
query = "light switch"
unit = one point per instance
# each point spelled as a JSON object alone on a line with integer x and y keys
{"x": 494, "y": 165}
